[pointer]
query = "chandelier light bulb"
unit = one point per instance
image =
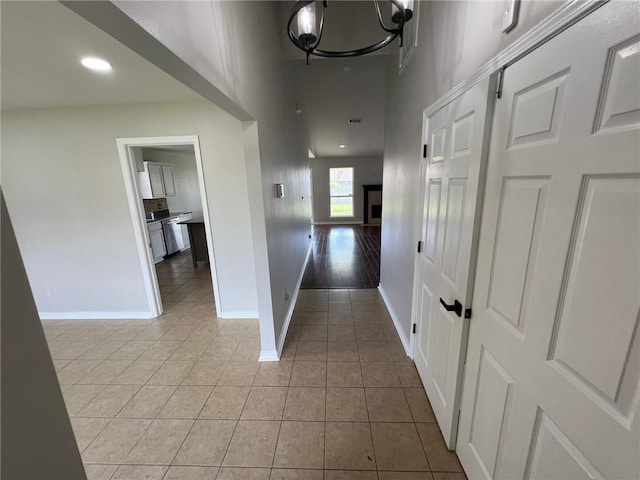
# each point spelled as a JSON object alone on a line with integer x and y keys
{"x": 307, "y": 24}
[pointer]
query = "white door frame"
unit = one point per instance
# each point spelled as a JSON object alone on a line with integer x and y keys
{"x": 418, "y": 234}
{"x": 136, "y": 208}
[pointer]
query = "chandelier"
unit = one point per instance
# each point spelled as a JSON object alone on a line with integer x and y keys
{"x": 308, "y": 32}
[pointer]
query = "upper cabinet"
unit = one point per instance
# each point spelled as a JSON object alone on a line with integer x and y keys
{"x": 156, "y": 180}
{"x": 169, "y": 184}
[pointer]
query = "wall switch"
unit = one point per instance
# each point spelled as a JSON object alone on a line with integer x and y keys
{"x": 287, "y": 295}
{"x": 279, "y": 188}
{"x": 510, "y": 16}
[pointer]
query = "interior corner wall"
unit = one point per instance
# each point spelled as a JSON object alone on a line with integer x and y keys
{"x": 64, "y": 188}
{"x": 366, "y": 171}
{"x": 37, "y": 437}
{"x": 454, "y": 40}
{"x": 217, "y": 40}
{"x": 185, "y": 175}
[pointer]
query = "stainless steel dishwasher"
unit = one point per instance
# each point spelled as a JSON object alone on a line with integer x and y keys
{"x": 169, "y": 233}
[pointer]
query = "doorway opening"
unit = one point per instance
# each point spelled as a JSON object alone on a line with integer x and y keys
{"x": 167, "y": 198}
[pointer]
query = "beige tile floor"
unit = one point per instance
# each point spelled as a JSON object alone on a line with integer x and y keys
{"x": 183, "y": 396}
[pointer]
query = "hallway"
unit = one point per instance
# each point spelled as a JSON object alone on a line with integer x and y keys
{"x": 343, "y": 256}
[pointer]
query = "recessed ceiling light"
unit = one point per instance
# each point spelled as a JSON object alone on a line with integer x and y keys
{"x": 341, "y": 146}
{"x": 96, "y": 64}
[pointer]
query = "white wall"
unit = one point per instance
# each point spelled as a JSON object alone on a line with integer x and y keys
{"x": 455, "y": 39}
{"x": 185, "y": 176}
{"x": 36, "y": 436}
{"x": 64, "y": 188}
{"x": 366, "y": 171}
{"x": 236, "y": 48}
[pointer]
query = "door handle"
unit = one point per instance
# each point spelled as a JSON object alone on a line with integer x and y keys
{"x": 456, "y": 307}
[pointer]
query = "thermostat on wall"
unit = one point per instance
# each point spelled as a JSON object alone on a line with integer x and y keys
{"x": 279, "y": 190}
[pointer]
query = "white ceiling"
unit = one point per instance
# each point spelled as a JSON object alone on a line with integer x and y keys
{"x": 42, "y": 44}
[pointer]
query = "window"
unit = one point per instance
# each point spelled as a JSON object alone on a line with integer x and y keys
{"x": 341, "y": 191}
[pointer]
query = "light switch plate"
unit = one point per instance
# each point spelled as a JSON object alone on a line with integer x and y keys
{"x": 279, "y": 187}
{"x": 510, "y": 16}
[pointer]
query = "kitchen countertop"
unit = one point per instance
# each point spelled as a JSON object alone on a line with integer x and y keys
{"x": 196, "y": 219}
{"x": 167, "y": 217}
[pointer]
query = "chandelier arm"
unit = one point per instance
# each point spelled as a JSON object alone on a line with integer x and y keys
{"x": 355, "y": 53}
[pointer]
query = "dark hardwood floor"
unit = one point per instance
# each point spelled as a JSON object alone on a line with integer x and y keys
{"x": 343, "y": 256}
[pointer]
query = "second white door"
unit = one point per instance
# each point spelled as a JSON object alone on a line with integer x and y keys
{"x": 553, "y": 366}
{"x": 457, "y": 135}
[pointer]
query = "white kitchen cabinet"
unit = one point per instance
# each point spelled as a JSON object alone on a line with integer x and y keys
{"x": 156, "y": 237}
{"x": 169, "y": 183}
{"x": 156, "y": 180}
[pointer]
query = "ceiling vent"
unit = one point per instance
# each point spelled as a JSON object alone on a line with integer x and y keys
{"x": 351, "y": 121}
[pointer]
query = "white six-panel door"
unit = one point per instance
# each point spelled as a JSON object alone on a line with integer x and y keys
{"x": 553, "y": 365}
{"x": 456, "y": 135}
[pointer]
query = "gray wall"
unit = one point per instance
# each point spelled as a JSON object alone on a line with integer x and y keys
{"x": 65, "y": 189}
{"x": 454, "y": 40}
{"x": 37, "y": 439}
{"x": 222, "y": 61}
{"x": 366, "y": 171}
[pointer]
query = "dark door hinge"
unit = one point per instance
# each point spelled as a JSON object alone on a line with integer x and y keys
{"x": 467, "y": 313}
{"x": 419, "y": 246}
{"x": 425, "y": 150}
{"x": 414, "y": 328}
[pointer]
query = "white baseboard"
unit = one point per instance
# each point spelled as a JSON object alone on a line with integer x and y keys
{"x": 128, "y": 315}
{"x": 239, "y": 314}
{"x": 403, "y": 338}
{"x": 340, "y": 222}
{"x": 292, "y": 305}
{"x": 269, "y": 356}
{"x": 94, "y": 315}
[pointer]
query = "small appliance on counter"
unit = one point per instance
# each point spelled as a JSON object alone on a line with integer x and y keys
{"x": 157, "y": 215}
